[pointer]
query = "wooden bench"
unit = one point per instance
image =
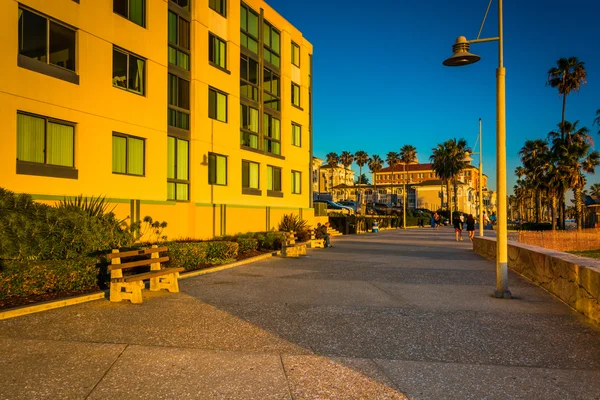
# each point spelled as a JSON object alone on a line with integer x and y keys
{"x": 289, "y": 247}
{"x": 129, "y": 287}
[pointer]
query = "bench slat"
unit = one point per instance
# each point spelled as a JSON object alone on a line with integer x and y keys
{"x": 147, "y": 275}
{"x": 110, "y": 256}
{"x": 139, "y": 263}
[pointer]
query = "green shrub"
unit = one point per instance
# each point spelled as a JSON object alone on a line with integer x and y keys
{"x": 247, "y": 244}
{"x": 269, "y": 240}
{"x": 293, "y": 223}
{"x": 193, "y": 255}
{"x": 27, "y": 278}
{"x": 219, "y": 252}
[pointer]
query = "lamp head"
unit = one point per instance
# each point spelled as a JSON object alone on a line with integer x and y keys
{"x": 461, "y": 55}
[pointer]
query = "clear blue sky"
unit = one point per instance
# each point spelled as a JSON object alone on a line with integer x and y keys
{"x": 379, "y": 82}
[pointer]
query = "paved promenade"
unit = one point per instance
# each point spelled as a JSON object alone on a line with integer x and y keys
{"x": 394, "y": 315}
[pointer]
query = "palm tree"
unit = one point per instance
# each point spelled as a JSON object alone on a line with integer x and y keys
{"x": 361, "y": 158}
{"x": 453, "y": 160}
{"x": 332, "y": 160}
{"x": 595, "y": 190}
{"x": 375, "y": 165}
{"x": 392, "y": 160}
{"x": 408, "y": 155}
{"x": 567, "y": 76}
{"x": 572, "y": 147}
{"x": 439, "y": 166}
{"x": 597, "y": 120}
{"x": 534, "y": 158}
{"x": 346, "y": 158}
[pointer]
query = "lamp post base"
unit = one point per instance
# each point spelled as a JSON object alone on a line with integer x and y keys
{"x": 502, "y": 295}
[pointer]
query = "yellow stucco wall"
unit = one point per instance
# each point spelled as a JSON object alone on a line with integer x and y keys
{"x": 98, "y": 109}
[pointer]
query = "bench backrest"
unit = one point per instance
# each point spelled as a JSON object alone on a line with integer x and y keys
{"x": 154, "y": 251}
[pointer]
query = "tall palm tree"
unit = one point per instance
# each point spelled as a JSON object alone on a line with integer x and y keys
{"x": 568, "y": 76}
{"x": 361, "y": 158}
{"x": 597, "y": 120}
{"x": 392, "y": 160}
{"x": 534, "y": 158}
{"x": 453, "y": 160}
{"x": 332, "y": 160}
{"x": 375, "y": 165}
{"x": 595, "y": 189}
{"x": 438, "y": 157}
{"x": 408, "y": 155}
{"x": 346, "y": 158}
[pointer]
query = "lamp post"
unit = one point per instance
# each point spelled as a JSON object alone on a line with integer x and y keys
{"x": 462, "y": 57}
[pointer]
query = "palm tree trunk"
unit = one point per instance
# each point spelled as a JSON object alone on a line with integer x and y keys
{"x": 449, "y": 198}
{"x": 455, "y": 188}
{"x": 553, "y": 201}
{"x": 360, "y": 182}
{"x": 577, "y": 195}
{"x": 538, "y": 206}
{"x": 564, "y": 108}
{"x": 442, "y": 196}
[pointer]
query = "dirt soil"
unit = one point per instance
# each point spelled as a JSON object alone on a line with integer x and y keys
{"x": 18, "y": 301}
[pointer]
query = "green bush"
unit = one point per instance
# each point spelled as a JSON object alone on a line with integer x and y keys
{"x": 220, "y": 252}
{"x": 194, "y": 255}
{"x": 27, "y": 278}
{"x": 34, "y": 231}
{"x": 269, "y": 240}
{"x": 293, "y": 223}
{"x": 247, "y": 244}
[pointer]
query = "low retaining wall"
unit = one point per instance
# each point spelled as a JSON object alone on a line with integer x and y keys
{"x": 575, "y": 280}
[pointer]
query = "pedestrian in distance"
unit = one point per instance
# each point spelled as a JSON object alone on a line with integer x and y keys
{"x": 471, "y": 226}
{"x": 432, "y": 220}
{"x": 326, "y": 235}
{"x": 458, "y": 226}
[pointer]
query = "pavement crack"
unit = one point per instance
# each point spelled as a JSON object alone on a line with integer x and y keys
{"x": 287, "y": 379}
{"x": 106, "y": 372}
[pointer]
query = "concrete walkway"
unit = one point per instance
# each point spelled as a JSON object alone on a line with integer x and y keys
{"x": 399, "y": 314}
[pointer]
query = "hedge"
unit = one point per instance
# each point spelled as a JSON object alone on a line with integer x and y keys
{"x": 194, "y": 255}
{"x": 26, "y": 278}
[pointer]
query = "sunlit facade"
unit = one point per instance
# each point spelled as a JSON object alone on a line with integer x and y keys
{"x": 197, "y": 113}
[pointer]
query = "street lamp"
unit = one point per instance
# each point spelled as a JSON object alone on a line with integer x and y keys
{"x": 462, "y": 57}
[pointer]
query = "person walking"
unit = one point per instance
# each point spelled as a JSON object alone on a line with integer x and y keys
{"x": 458, "y": 226}
{"x": 471, "y": 226}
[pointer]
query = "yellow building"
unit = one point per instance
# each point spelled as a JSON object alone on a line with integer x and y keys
{"x": 335, "y": 180}
{"x": 194, "y": 112}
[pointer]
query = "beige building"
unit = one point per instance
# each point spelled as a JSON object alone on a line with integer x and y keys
{"x": 335, "y": 180}
{"x": 194, "y": 112}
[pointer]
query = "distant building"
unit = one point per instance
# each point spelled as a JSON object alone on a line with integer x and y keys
{"x": 335, "y": 180}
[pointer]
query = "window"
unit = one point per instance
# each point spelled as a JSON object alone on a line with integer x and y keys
{"x": 218, "y": 6}
{"x": 249, "y": 78}
{"x": 295, "y": 54}
{"x": 250, "y": 175}
{"x": 272, "y": 137}
{"x": 295, "y": 95}
{"x": 179, "y": 102}
{"x": 273, "y": 178}
{"x": 217, "y": 169}
{"x": 217, "y": 105}
{"x": 271, "y": 50}
{"x": 133, "y": 10}
{"x": 249, "y": 28}
{"x": 217, "y": 51}
{"x": 271, "y": 84}
{"x": 249, "y": 126}
{"x": 127, "y": 155}
{"x": 179, "y": 41}
{"x": 185, "y": 4}
{"x": 178, "y": 183}
{"x": 46, "y": 41}
{"x": 296, "y": 135}
{"x": 128, "y": 71}
{"x": 45, "y": 141}
{"x": 296, "y": 182}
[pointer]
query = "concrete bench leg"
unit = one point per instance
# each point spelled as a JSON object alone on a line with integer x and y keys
{"x": 169, "y": 282}
{"x": 131, "y": 291}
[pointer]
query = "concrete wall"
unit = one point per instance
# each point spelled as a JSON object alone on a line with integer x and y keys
{"x": 574, "y": 280}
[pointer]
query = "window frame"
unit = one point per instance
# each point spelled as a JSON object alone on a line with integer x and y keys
{"x": 223, "y": 6}
{"x": 255, "y": 86}
{"x": 277, "y": 97}
{"x": 298, "y": 142}
{"x": 294, "y": 61}
{"x": 178, "y": 47}
{"x": 212, "y": 40}
{"x": 250, "y": 10}
{"x": 45, "y": 169}
{"x": 248, "y": 189}
{"x": 217, "y": 93}
{"x": 216, "y": 156}
{"x": 177, "y": 107}
{"x": 127, "y": 17}
{"x": 46, "y": 67}
{"x": 129, "y": 55}
{"x": 273, "y": 191}
{"x": 127, "y": 137}
{"x": 188, "y": 9}
{"x": 176, "y": 180}
{"x": 267, "y": 132}
{"x": 244, "y": 131}
{"x": 267, "y": 43}
{"x": 296, "y": 190}
{"x": 296, "y": 89}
